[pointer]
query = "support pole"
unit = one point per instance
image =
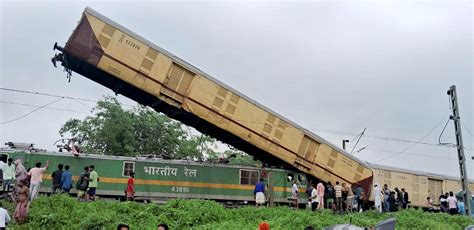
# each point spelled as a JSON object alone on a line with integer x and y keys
{"x": 460, "y": 147}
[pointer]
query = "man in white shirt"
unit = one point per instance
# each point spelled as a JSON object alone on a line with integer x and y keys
{"x": 378, "y": 197}
{"x": 294, "y": 193}
{"x": 4, "y": 217}
{"x": 8, "y": 175}
{"x": 314, "y": 198}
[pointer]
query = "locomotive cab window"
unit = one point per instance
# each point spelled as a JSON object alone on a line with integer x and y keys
{"x": 249, "y": 177}
{"x": 128, "y": 167}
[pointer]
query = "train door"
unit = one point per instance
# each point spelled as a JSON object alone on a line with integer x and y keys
{"x": 435, "y": 189}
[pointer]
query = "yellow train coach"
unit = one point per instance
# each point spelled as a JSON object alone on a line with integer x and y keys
{"x": 121, "y": 60}
{"x": 418, "y": 184}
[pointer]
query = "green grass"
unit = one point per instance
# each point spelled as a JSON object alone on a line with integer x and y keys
{"x": 63, "y": 212}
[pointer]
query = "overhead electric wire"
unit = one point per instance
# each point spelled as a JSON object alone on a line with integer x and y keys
{"x": 36, "y": 106}
{"x": 22, "y": 116}
{"x": 413, "y": 144}
{"x": 244, "y": 121}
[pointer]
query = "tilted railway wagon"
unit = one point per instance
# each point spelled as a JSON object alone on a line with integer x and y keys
{"x": 128, "y": 64}
{"x": 158, "y": 179}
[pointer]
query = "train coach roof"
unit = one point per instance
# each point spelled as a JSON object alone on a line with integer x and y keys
{"x": 137, "y": 159}
{"x": 416, "y": 172}
{"x": 202, "y": 73}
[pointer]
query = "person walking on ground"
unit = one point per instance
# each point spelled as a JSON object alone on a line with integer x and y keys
{"x": 21, "y": 210}
{"x": 83, "y": 184}
{"x": 378, "y": 197}
{"x": 36, "y": 174}
{"x": 452, "y": 204}
{"x": 8, "y": 175}
{"x": 131, "y": 187}
{"x": 66, "y": 180}
{"x": 314, "y": 199}
{"x": 386, "y": 195}
{"x": 93, "y": 183}
{"x": 329, "y": 195}
{"x": 406, "y": 199}
{"x": 320, "y": 190}
{"x": 57, "y": 179}
{"x": 4, "y": 217}
{"x": 338, "y": 194}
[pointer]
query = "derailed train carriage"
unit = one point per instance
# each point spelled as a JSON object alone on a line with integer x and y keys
{"x": 128, "y": 64}
{"x": 159, "y": 179}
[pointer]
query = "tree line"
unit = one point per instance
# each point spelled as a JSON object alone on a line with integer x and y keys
{"x": 113, "y": 130}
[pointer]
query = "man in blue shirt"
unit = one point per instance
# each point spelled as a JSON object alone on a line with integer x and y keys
{"x": 66, "y": 180}
{"x": 259, "y": 192}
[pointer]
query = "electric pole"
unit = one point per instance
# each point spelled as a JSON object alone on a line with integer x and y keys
{"x": 462, "y": 159}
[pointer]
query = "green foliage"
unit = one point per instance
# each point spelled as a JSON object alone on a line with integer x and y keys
{"x": 63, "y": 212}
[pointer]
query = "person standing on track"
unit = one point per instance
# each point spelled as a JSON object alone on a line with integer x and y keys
{"x": 8, "y": 175}
{"x": 83, "y": 184}
{"x": 338, "y": 193}
{"x": 57, "y": 178}
{"x": 294, "y": 193}
{"x": 259, "y": 193}
{"x": 66, "y": 180}
{"x": 320, "y": 190}
{"x": 93, "y": 183}
{"x": 329, "y": 195}
{"x": 36, "y": 174}
{"x": 378, "y": 197}
{"x": 314, "y": 198}
{"x": 452, "y": 204}
{"x": 386, "y": 195}
{"x": 131, "y": 187}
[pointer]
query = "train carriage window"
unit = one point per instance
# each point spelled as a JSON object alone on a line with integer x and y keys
{"x": 249, "y": 177}
{"x": 128, "y": 167}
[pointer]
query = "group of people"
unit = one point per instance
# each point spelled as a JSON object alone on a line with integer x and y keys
{"x": 448, "y": 203}
{"x": 340, "y": 197}
{"x": 28, "y": 182}
{"x": 387, "y": 200}
{"x": 343, "y": 197}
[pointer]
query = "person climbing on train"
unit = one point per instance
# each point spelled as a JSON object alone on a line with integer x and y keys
{"x": 93, "y": 183}
{"x": 36, "y": 174}
{"x": 66, "y": 180}
{"x": 56, "y": 176}
{"x": 320, "y": 190}
{"x": 130, "y": 190}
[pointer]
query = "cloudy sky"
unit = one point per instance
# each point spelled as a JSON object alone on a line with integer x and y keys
{"x": 334, "y": 67}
